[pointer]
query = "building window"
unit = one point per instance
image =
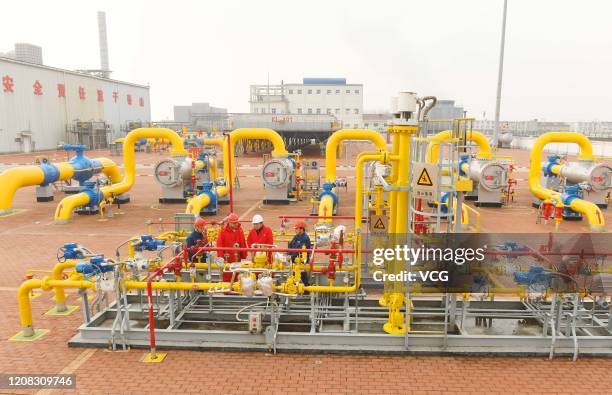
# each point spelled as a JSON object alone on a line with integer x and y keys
{"x": 356, "y": 111}
{"x": 348, "y": 91}
{"x": 291, "y": 91}
{"x": 356, "y": 91}
{"x": 355, "y": 126}
{"x": 274, "y": 111}
{"x": 375, "y": 124}
{"x": 337, "y": 111}
{"x": 366, "y": 125}
{"x": 318, "y": 111}
{"x": 310, "y": 91}
{"x": 347, "y": 110}
{"x": 310, "y": 111}
{"x": 299, "y": 91}
{"x": 337, "y": 91}
{"x": 329, "y": 91}
{"x": 299, "y": 110}
{"x": 318, "y": 91}
{"x": 329, "y": 111}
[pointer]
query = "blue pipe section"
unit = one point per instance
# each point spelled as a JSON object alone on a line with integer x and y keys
{"x": 571, "y": 193}
{"x": 208, "y": 188}
{"x": 50, "y": 171}
{"x": 547, "y": 167}
{"x": 328, "y": 190}
{"x": 94, "y": 193}
{"x": 463, "y": 159}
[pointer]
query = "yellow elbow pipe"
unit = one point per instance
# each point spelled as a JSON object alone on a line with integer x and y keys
{"x": 341, "y": 135}
{"x": 590, "y": 210}
{"x": 361, "y": 159}
{"x": 217, "y": 142}
{"x": 110, "y": 169}
{"x": 66, "y": 206}
{"x": 25, "y": 289}
{"x": 56, "y": 274}
{"x": 17, "y": 177}
{"x": 196, "y": 204}
{"x": 433, "y": 149}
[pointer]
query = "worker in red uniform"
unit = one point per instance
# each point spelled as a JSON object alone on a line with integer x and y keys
{"x": 260, "y": 234}
{"x": 231, "y": 236}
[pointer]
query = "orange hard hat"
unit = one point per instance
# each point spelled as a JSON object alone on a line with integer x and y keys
{"x": 232, "y": 217}
{"x": 199, "y": 223}
{"x": 300, "y": 224}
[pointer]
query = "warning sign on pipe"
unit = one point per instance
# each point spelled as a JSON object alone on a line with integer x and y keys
{"x": 425, "y": 178}
{"x": 379, "y": 225}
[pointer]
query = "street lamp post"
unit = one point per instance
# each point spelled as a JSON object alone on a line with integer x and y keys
{"x": 499, "y": 77}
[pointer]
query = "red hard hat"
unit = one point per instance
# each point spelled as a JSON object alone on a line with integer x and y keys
{"x": 300, "y": 224}
{"x": 232, "y": 217}
{"x": 199, "y": 223}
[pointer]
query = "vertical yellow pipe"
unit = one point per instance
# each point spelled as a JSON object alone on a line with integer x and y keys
{"x": 393, "y": 194}
{"x": 402, "y": 181}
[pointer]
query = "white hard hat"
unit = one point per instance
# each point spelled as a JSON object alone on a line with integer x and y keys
{"x": 257, "y": 219}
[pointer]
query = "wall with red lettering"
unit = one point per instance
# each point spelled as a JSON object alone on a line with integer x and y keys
{"x": 45, "y": 100}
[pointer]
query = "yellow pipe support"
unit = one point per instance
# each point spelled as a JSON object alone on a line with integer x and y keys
{"x": 348, "y": 134}
{"x": 433, "y": 149}
{"x": 590, "y": 210}
{"x": 67, "y": 205}
{"x": 196, "y": 204}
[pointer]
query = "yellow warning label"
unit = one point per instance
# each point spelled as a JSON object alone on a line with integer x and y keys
{"x": 424, "y": 179}
{"x": 379, "y": 224}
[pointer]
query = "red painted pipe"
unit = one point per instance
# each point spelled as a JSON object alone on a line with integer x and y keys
{"x": 229, "y": 160}
{"x": 318, "y": 217}
{"x": 240, "y": 249}
{"x": 158, "y": 272}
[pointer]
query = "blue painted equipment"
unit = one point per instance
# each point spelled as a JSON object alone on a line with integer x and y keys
{"x": 570, "y": 193}
{"x": 328, "y": 190}
{"x": 535, "y": 275}
{"x": 208, "y": 188}
{"x": 147, "y": 243}
{"x": 71, "y": 251}
{"x": 547, "y": 167}
{"x": 95, "y": 265}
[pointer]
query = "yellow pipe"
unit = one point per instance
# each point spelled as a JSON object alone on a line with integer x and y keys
{"x": 326, "y": 208}
{"x": 401, "y": 215}
{"x": 348, "y": 134}
{"x": 67, "y": 205}
{"x": 361, "y": 159}
{"x": 393, "y": 194}
{"x": 197, "y": 203}
{"x": 23, "y": 297}
{"x": 56, "y": 274}
{"x": 590, "y": 210}
{"x": 217, "y": 141}
{"x": 433, "y": 149}
{"x": 22, "y": 176}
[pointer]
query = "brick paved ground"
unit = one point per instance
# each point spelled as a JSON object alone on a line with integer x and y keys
{"x": 30, "y": 240}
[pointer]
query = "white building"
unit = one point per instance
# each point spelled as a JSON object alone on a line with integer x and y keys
{"x": 316, "y": 96}
{"x": 38, "y": 104}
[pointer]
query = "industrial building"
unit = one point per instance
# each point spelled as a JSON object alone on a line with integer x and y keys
{"x": 41, "y": 106}
{"x": 201, "y": 115}
{"x": 314, "y": 96}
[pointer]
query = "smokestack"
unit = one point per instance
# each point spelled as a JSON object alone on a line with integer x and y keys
{"x": 103, "y": 44}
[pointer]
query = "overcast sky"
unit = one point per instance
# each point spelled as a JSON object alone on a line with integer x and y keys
{"x": 558, "y": 62}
